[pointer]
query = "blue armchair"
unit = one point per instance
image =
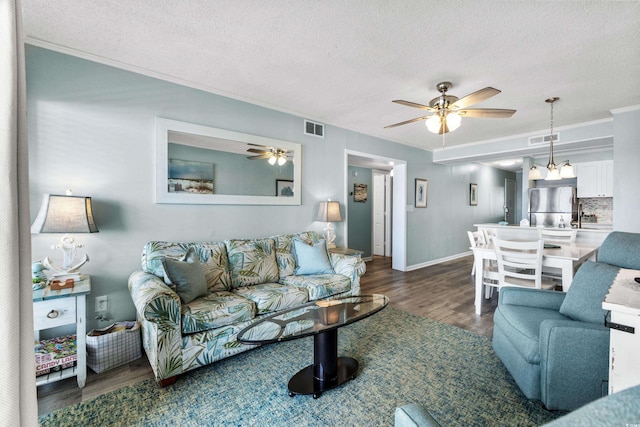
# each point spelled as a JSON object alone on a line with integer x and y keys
{"x": 555, "y": 345}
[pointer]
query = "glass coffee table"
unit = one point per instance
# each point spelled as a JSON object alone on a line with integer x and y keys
{"x": 322, "y": 320}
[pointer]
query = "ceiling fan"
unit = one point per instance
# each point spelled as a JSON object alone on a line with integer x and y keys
{"x": 273, "y": 154}
{"x": 446, "y": 111}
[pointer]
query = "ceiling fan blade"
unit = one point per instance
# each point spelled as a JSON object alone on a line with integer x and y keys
{"x": 475, "y": 97}
{"x": 414, "y": 105}
{"x": 255, "y": 150}
{"x": 492, "y": 113}
{"x": 407, "y": 122}
{"x": 261, "y": 156}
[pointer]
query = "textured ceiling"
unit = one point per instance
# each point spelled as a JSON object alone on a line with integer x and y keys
{"x": 342, "y": 62}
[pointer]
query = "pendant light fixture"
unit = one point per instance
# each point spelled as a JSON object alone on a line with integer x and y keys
{"x": 553, "y": 173}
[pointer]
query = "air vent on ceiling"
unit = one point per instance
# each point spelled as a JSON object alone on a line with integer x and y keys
{"x": 535, "y": 140}
{"x": 313, "y": 129}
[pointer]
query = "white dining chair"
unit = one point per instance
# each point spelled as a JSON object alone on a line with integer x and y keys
{"x": 520, "y": 264}
{"x": 489, "y": 234}
{"x": 556, "y": 236}
{"x": 476, "y": 238}
{"x": 490, "y": 268}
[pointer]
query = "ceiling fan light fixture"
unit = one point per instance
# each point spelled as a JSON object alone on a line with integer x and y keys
{"x": 453, "y": 121}
{"x": 281, "y": 160}
{"x": 272, "y": 160}
{"x": 433, "y": 123}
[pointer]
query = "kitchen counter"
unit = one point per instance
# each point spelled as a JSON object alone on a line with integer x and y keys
{"x": 592, "y": 233}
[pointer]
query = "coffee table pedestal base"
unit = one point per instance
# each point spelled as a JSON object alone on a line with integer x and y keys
{"x": 305, "y": 382}
{"x": 328, "y": 370}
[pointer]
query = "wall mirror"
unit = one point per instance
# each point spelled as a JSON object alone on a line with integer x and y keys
{"x": 198, "y": 164}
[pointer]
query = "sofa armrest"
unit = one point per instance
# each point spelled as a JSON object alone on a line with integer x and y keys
{"x": 574, "y": 362}
{"x": 414, "y": 415}
{"x": 351, "y": 266}
{"x": 539, "y": 298}
{"x": 158, "y": 309}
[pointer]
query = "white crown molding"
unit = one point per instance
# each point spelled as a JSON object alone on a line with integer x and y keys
{"x": 160, "y": 76}
{"x": 625, "y": 109}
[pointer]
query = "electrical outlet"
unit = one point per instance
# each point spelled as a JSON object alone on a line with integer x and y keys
{"x": 101, "y": 303}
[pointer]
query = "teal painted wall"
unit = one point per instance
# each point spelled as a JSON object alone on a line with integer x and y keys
{"x": 360, "y": 213}
{"x": 91, "y": 129}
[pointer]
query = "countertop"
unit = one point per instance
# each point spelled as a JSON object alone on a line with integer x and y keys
{"x": 588, "y": 228}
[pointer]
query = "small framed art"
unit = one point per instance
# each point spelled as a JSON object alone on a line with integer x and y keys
{"x": 473, "y": 194}
{"x": 284, "y": 188}
{"x": 421, "y": 193}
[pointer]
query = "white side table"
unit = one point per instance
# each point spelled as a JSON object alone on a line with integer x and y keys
{"x": 623, "y": 300}
{"x": 345, "y": 251}
{"x": 64, "y": 307}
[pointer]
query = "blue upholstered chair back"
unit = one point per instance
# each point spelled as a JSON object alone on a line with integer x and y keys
{"x": 621, "y": 249}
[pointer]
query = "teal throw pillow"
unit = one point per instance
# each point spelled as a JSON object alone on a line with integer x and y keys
{"x": 589, "y": 287}
{"x": 311, "y": 259}
{"x": 187, "y": 278}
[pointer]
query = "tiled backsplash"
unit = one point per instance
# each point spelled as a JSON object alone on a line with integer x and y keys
{"x": 602, "y": 207}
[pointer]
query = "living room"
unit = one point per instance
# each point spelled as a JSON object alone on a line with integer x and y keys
{"x": 91, "y": 129}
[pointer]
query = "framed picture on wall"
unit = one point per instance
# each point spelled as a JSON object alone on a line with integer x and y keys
{"x": 284, "y": 188}
{"x": 421, "y": 193}
{"x": 360, "y": 193}
{"x": 473, "y": 194}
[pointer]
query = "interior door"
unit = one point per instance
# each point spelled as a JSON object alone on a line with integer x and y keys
{"x": 378, "y": 213}
{"x": 510, "y": 201}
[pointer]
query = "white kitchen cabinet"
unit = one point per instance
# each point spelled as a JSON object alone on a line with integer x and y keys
{"x": 595, "y": 179}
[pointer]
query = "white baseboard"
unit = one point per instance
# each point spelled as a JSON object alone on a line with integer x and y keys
{"x": 437, "y": 261}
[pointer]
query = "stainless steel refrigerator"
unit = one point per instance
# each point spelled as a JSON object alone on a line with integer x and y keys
{"x": 553, "y": 207}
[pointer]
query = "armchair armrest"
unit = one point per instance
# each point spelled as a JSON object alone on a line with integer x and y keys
{"x": 551, "y": 300}
{"x": 351, "y": 266}
{"x": 574, "y": 362}
{"x": 158, "y": 309}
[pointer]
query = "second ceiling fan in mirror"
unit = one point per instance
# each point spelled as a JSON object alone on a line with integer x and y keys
{"x": 272, "y": 154}
{"x": 446, "y": 111}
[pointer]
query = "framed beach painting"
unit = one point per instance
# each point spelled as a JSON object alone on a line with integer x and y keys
{"x": 421, "y": 193}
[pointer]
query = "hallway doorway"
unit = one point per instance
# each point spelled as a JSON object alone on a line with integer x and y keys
{"x": 376, "y": 225}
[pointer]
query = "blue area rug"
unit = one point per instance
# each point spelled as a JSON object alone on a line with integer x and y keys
{"x": 403, "y": 358}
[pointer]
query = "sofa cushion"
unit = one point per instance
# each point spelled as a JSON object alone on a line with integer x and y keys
{"x": 270, "y": 297}
{"x": 589, "y": 287}
{"x": 284, "y": 250}
{"x": 320, "y": 285}
{"x": 522, "y": 325}
{"x": 252, "y": 262}
{"x": 214, "y": 310}
{"x": 187, "y": 278}
{"x": 311, "y": 258}
{"x": 213, "y": 256}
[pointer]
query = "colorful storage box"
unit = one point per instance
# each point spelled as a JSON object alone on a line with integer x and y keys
{"x": 55, "y": 354}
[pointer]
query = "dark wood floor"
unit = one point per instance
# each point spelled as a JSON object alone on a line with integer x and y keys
{"x": 443, "y": 292}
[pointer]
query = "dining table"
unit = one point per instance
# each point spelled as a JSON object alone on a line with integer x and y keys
{"x": 567, "y": 256}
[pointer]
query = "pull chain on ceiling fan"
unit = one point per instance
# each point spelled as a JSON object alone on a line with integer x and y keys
{"x": 446, "y": 111}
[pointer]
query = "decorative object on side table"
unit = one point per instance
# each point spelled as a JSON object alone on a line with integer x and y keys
{"x": 65, "y": 214}
{"x": 329, "y": 212}
{"x": 421, "y": 193}
{"x": 38, "y": 276}
{"x": 473, "y": 194}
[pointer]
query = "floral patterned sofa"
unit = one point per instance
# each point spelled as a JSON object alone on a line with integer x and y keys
{"x": 245, "y": 279}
